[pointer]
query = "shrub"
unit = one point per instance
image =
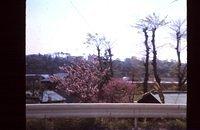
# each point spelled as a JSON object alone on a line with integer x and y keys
{"x": 84, "y": 81}
{"x": 118, "y": 91}
{"x": 177, "y": 124}
{"x": 35, "y": 124}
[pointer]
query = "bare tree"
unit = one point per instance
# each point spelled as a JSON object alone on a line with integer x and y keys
{"x": 101, "y": 42}
{"x": 180, "y": 32}
{"x": 109, "y": 51}
{"x": 97, "y": 41}
{"x": 144, "y": 28}
{"x": 154, "y": 23}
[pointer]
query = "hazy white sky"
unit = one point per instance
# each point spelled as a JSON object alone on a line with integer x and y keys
{"x": 62, "y": 25}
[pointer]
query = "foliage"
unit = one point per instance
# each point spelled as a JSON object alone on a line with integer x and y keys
{"x": 33, "y": 85}
{"x": 177, "y": 124}
{"x": 169, "y": 124}
{"x": 60, "y": 124}
{"x": 79, "y": 124}
{"x": 104, "y": 124}
{"x": 117, "y": 91}
{"x": 84, "y": 81}
{"x": 116, "y": 123}
{"x": 87, "y": 83}
{"x": 37, "y": 65}
{"x": 35, "y": 124}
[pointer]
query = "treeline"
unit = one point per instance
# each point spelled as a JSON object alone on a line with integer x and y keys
{"x": 49, "y": 64}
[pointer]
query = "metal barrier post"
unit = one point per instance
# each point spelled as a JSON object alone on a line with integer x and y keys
{"x": 135, "y": 124}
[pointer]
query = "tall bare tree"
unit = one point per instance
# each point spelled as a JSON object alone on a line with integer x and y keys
{"x": 154, "y": 22}
{"x": 97, "y": 41}
{"x": 144, "y": 27}
{"x": 100, "y": 42}
{"x": 179, "y": 30}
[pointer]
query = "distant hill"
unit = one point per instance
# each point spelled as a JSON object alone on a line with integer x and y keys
{"x": 49, "y": 64}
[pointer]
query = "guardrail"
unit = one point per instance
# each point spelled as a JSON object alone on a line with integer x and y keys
{"x": 151, "y": 82}
{"x": 89, "y": 110}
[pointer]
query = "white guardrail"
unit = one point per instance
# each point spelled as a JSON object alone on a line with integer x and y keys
{"x": 89, "y": 110}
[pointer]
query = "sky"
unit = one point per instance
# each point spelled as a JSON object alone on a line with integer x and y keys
{"x": 62, "y": 26}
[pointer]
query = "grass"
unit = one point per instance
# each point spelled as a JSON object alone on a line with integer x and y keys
{"x": 104, "y": 124}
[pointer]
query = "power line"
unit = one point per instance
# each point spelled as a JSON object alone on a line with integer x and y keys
{"x": 79, "y": 13}
{"x": 173, "y": 1}
{"x": 167, "y": 6}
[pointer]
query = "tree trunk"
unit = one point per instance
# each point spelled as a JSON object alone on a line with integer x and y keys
{"x": 110, "y": 62}
{"x": 155, "y": 72}
{"x": 180, "y": 74}
{"x": 184, "y": 76}
{"x": 99, "y": 57}
{"x": 146, "y": 64}
{"x": 154, "y": 61}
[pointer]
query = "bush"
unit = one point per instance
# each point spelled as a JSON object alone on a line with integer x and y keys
{"x": 35, "y": 124}
{"x": 150, "y": 124}
{"x": 63, "y": 124}
{"x": 79, "y": 124}
{"x": 168, "y": 124}
{"x": 104, "y": 124}
{"x": 118, "y": 91}
{"x": 116, "y": 123}
{"x": 177, "y": 124}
